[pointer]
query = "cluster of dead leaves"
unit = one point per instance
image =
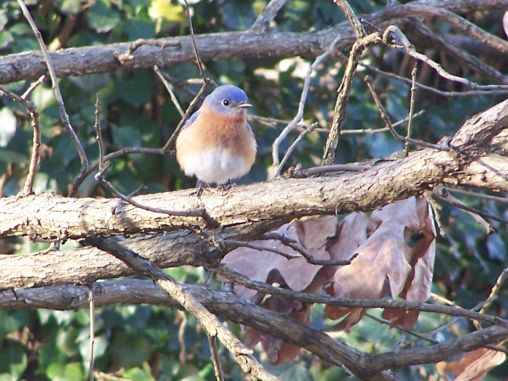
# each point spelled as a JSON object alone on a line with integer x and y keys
{"x": 391, "y": 252}
{"x": 392, "y": 255}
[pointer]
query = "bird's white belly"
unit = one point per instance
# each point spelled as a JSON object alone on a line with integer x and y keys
{"x": 214, "y": 166}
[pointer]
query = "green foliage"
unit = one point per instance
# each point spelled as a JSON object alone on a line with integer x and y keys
{"x": 143, "y": 343}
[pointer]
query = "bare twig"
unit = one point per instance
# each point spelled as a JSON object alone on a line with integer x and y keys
{"x": 351, "y": 16}
{"x": 201, "y": 67}
{"x": 292, "y": 147}
{"x": 210, "y": 323}
{"x": 339, "y": 112}
{"x": 262, "y": 23}
{"x": 212, "y": 343}
{"x": 371, "y": 131}
{"x": 169, "y": 89}
{"x": 494, "y": 292}
{"x": 182, "y": 356}
{"x": 389, "y": 125}
{"x": 456, "y": 21}
{"x": 92, "y": 333}
{"x": 301, "y": 105}
{"x": 503, "y": 200}
{"x": 33, "y": 86}
{"x": 36, "y": 141}
{"x": 56, "y": 88}
{"x": 460, "y": 205}
{"x": 411, "y": 107}
{"x": 253, "y": 246}
{"x": 395, "y": 38}
{"x": 469, "y": 93}
{"x": 240, "y": 279}
{"x": 466, "y": 59}
{"x": 304, "y": 253}
{"x": 334, "y": 168}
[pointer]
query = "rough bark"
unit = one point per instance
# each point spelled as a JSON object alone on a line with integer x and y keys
{"x": 170, "y": 51}
{"x": 272, "y": 203}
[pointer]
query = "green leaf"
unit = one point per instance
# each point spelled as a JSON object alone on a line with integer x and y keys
{"x": 7, "y": 156}
{"x": 13, "y": 361}
{"x": 128, "y": 351}
{"x": 69, "y": 372}
{"x": 137, "y": 28}
{"x": 238, "y": 15}
{"x": 69, "y": 6}
{"x": 137, "y": 374}
{"x": 127, "y": 136}
{"x": 135, "y": 90}
{"x": 102, "y": 18}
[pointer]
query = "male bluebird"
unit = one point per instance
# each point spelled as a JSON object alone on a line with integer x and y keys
{"x": 217, "y": 144}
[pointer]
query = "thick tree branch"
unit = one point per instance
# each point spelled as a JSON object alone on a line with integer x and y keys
{"x": 169, "y": 51}
{"x": 229, "y": 306}
{"x": 265, "y": 205}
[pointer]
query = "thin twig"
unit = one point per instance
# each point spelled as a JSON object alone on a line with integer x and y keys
{"x": 466, "y": 59}
{"x": 169, "y": 89}
{"x": 201, "y": 67}
{"x": 241, "y": 279}
{"x": 293, "y": 244}
{"x": 293, "y": 146}
{"x": 351, "y": 16}
{"x": 92, "y": 333}
{"x": 253, "y": 246}
{"x": 36, "y": 140}
{"x": 412, "y": 100}
{"x": 322, "y": 169}
{"x": 389, "y": 125}
{"x": 56, "y": 88}
{"x": 371, "y": 131}
{"x": 494, "y": 292}
{"x": 339, "y": 112}
{"x": 182, "y": 356}
{"x": 470, "y": 209}
{"x": 301, "y": 104}
{"x": 33, "y": 86}
{"x": 394, "y": 37}
{"x": 412, "y": 333}
{"x": 503, "y": 200}
{"x": 212, "y": 343}
{"x": 262, "y": 23}
{"x": 469, "y": 93}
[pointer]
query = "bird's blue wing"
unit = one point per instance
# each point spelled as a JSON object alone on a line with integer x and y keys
{"x": 191, "y": 120}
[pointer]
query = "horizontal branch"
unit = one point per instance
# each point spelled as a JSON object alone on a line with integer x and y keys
{"x": 169, "y": 51}
{"x": 229, "y": 306}
{"x": 272, "y": 203}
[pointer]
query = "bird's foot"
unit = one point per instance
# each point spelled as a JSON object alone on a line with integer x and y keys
{"x": 200, "y": 188}
{"x": 226, "y": 187}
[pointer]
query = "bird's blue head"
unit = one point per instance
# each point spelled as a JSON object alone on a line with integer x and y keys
{"x": 228, "y": 100}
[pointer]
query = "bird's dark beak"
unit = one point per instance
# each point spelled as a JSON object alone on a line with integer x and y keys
{"x": 244, "y": 105}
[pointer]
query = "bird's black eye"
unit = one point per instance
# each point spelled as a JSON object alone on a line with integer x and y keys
{"x": 225, "y": 102}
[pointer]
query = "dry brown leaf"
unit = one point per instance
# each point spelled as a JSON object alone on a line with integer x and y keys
{"x": 314, "y": 235}
{"x": 297, "y": 273}
{"x": 385, "y": 264}
{"x": 382, "y": 264}
{"x": 472, "y": 366}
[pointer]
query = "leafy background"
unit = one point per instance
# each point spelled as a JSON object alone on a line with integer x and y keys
{"x": 144, "y": 342}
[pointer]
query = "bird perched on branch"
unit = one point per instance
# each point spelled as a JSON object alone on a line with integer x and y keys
{"x": 217, "y": 144}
